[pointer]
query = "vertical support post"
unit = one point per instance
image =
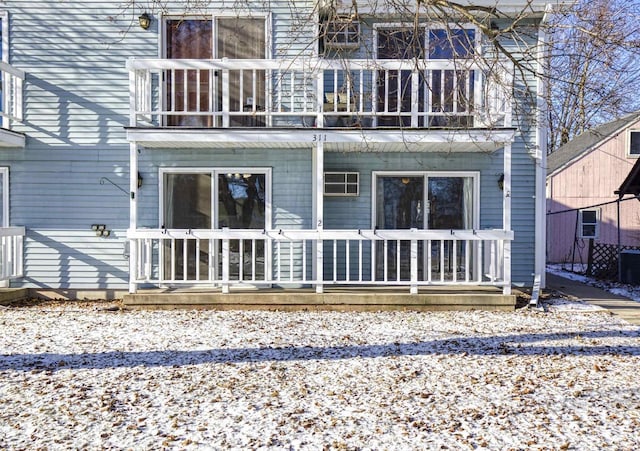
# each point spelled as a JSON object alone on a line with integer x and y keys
{"x": 415, "y": 101}
{"x": 225, "y": 262}
{"x": 225, "y": 98}
{"x": 133, "y": 215}
{"x": 506, "y": 220}
{"x": 414, "y": 266}
{"x": 619, "y": 241}
{"x": 318, "y": 213}
{"x": 319, "y": 99}
{"x": 541, "y": 155}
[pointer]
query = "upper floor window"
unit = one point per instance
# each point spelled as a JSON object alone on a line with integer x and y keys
{"x": 406, "y": 42}
{"x": 634, "y": 143}
{"x": 451, "y": 43}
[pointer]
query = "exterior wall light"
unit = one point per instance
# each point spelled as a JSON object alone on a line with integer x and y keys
{"x": 145, "y": 21}
{"x": 140, "y": 180}
{"x": 501, "y": 182}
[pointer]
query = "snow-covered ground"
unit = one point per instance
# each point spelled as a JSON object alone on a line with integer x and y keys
{"x": 84, "y": 377}
{"x": 630, "y": 291}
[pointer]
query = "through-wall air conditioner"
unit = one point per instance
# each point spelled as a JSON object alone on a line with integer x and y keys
{"x": 342, "y": 184}
{"x": 341, "y": 33}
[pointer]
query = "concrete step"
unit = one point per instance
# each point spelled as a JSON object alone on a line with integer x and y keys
{"x": 308, "y": 300}
{"x": 9, "y": 295}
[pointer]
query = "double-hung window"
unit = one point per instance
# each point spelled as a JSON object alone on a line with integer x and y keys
{"x": 588, "y": 226}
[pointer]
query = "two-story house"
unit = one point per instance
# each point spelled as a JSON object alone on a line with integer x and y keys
{"x": 306, "y": 144}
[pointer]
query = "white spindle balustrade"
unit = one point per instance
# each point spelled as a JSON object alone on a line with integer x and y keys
{"x": 308, "y": 92}
{"x": 11, "y": 253}
{"x": 350, "y": 257}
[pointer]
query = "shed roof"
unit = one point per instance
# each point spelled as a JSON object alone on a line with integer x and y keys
{"x": 631, "y": 184}
{"x": 588, "y": 141}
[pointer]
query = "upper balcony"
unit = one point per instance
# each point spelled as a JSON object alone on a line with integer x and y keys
{"x": 12, "y": 80}
{"x": 341, "y": 97}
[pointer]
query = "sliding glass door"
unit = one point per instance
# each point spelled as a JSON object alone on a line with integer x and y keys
{"x": 215, "y": 199}
{"x": 422, "y": 201}
{"x": 200, "y": 92}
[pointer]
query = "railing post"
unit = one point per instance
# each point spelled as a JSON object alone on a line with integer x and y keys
{"x": 414, "y": 265}
{"x": 20, "y": 256}
{"x": 6, "y": 100}
{"x": 225, "y": 262}
{"x": 4, "y": 273}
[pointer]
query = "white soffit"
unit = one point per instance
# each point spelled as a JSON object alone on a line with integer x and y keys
{"x": 476, "y": 140}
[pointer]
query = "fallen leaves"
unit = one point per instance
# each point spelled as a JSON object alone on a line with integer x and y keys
{"x": 247, "y": 380}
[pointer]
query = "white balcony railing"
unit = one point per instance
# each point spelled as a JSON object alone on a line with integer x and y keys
{"x": 11, "y": 85}
{"x": 11, "y": 253}
{"x": 411, "y": 258}
{"x": 319, "y": 93}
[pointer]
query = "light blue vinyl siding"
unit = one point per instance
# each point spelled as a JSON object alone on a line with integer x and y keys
{"x": 76, "y": 105}
{"x": 290, "y": 174}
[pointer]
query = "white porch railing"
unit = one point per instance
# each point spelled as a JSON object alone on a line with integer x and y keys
{"x": 12, "y": 81}
{"x": 11, "y": 253}
{"x": 319, "y": 93}
{"x": 411, "y": 258}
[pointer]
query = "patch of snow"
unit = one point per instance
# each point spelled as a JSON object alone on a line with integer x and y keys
{"x": 76, "y": 378}
{"x": 565, "y": 305}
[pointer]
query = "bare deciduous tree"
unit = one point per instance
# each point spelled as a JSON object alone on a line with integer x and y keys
{"x": 594, "y": 69}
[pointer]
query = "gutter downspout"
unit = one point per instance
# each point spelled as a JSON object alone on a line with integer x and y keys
{"x": 540, "y": 159}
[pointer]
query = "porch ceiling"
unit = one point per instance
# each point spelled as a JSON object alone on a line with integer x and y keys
{"x": 343, "y": 140}
{"x": 10, "y": 138}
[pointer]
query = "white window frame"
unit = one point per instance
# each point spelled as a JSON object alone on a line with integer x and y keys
{"x": 581, "y": 223}
{"x": 629, "y": 133}
{"x": 4, "y": 172}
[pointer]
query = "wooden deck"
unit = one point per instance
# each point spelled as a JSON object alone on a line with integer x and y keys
{"x": 336, "y": 299}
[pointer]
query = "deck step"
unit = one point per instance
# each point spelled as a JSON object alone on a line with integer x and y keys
{"x": 350, "y": 301}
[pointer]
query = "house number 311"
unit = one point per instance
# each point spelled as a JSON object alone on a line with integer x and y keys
{"x": 321, "y": 137}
